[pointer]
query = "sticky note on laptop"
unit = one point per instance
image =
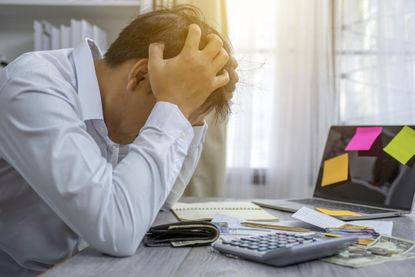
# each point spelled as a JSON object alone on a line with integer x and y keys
{"x": 335, "y": 170}
{"x": 364, "y": 138}
{"x": 402, "y": 146}
{"x": 337, "y": 212}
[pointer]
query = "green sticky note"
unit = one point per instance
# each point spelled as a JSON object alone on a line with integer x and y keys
{"x": 402, "y": 146}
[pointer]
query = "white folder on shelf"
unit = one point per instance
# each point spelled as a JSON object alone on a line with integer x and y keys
{"x": 76, "y": 32}
{"x": 37, "y": 35}
{"x": 100, "y": 38}
{"x": 65, "y": 37}
{"x": 86, "y": 30}
{"x": 55, "y": 38}
{"x": 46, "y": 35}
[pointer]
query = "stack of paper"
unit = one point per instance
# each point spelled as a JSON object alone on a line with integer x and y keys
{"x": 325, "y": 221}
{"x": 49, "y": 37}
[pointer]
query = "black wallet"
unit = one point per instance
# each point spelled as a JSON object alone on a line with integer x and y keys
{"x": 179, "y": 234}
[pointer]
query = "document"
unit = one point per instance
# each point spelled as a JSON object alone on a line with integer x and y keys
{"x": 402, "y": 146}
{"x": 325, "y": 221}
{"x": 289, "y": 226}
{"x": 380, "y": 226}
{"x": 317, "y": 219}
{"x": 364, "y": 138}
{"x": 335, "y": 170}
{"x": 231, "y": 228}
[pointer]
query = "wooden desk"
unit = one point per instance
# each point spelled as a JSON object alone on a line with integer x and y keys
{"x": 204, "y": 261}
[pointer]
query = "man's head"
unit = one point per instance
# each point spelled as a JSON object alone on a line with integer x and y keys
{"x": 170, "y": 27}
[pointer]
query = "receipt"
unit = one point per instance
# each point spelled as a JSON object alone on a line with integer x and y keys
{"x": 318, "y": 219}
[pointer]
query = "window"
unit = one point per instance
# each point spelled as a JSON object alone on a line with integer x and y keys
{"x": 252, "y": 33}
{"x": 375, "y": 61}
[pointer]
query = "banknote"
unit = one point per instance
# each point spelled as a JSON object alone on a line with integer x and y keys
{"x": 383, "y": 249}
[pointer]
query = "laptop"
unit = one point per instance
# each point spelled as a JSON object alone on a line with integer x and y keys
{"x": 378, "y": 185}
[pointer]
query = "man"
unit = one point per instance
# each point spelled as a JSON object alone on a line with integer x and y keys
{"x": 92, "y": 147}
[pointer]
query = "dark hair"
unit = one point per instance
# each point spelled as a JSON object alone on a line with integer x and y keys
{"x": 168, "y": 26}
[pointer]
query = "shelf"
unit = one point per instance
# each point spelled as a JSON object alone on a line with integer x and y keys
{"x": 95, "y": 3}
{"x": 17, "y": 16}
{"x": 73, "y": 9}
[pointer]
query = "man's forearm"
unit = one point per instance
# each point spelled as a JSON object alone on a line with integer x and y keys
{"x": 189, "y": 166}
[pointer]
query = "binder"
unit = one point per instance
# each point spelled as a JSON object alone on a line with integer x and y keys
{"x": 100, "y": 38}
{"x": 46, "y": 35}
{"x": 76, "y": 32}
{"x": 65, "y": 37}
{"x": 86, "y": 30}
{"x": 55, "y": 38}
{"x": 37, "y": 36}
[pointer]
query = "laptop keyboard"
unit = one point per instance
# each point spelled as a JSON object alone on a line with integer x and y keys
{"x": 338, "y": 206}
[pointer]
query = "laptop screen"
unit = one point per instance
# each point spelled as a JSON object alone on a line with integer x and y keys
{"x": 377, "y": 176}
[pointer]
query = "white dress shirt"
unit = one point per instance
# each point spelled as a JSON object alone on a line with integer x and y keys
{"x": 62, "y": 178}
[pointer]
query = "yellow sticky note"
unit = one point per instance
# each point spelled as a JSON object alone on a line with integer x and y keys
{"x": 335, "y": 170}
{"x": 402, "y": 146}
{"x": 337, "y": 212}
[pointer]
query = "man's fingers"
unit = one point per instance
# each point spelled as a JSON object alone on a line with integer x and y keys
{"x": 221, "y": 80}
{"x": 233, "y": 62}
{"x": 234, "y": 76}
{"x": 193, "y": 38}
{"x": 233, "y": 79}
{"x": 155, "y": 54}
{"x": 213, "y": 46}
{"x": 220, "y": 60}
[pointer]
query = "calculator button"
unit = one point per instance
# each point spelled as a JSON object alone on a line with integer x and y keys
{"x": 292, "y": 244}
{"x": 307, "y": 241}
{"x": 262, "y": 249}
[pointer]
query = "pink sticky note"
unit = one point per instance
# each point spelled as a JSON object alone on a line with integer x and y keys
{"x": 364, "y": 138}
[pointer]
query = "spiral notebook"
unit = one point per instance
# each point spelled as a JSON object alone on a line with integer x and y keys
{"x": 207, "y": 210}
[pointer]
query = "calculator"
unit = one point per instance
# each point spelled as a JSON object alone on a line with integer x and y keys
{"x": 280, "y": 248}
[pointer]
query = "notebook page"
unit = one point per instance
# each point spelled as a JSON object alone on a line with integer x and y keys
{"x": 207, "y": 210}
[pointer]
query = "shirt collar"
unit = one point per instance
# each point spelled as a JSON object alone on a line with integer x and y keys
{"x": 88, "y": 89}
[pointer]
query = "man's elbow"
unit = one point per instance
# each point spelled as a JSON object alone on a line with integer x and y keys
{"x": 123, "y": 245}
{"x": 123, "y": 248}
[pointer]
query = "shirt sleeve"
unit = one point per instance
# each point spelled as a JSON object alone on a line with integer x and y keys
{"x": 43, "y": 137}
{"x": 188, "y": 167}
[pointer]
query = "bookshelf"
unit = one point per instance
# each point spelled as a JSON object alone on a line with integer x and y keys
{"x": 17, "y": 16}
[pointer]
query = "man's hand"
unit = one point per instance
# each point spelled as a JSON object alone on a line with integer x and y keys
{"x": 188, "y": 79}
{"x": 197, "y": 118}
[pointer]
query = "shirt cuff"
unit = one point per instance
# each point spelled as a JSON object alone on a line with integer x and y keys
{"x": 168, "y": 118}
{"x": 199, "y": 135}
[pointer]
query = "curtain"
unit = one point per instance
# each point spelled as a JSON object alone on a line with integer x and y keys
{"x": 289, "y": 89}
{"x": 209, "y": 177}
{"x": 376, "y": 61}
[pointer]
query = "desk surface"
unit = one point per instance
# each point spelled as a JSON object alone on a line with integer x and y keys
{"x": 204, "y": 261}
